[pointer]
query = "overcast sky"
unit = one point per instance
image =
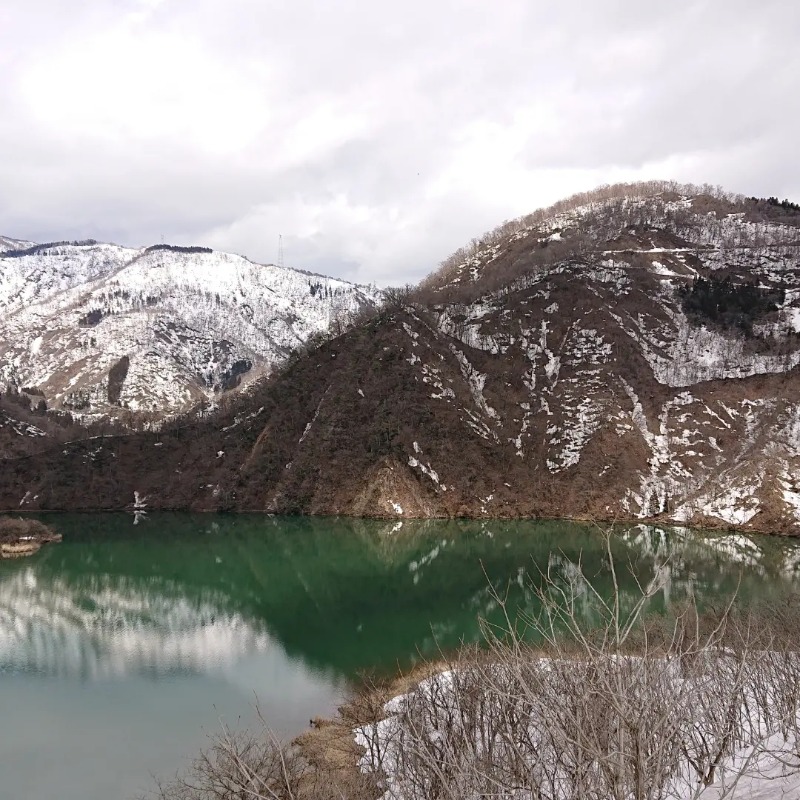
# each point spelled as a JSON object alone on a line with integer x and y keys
{"x": 377, "y": 137}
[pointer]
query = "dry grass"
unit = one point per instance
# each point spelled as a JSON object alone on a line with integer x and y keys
{"x": 13, "y": 529}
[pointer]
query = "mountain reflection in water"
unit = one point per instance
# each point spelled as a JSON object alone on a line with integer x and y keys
{"x": 180, "y": 594}
{"x": 122, "y": 646}
{"x": 104, "y": 627}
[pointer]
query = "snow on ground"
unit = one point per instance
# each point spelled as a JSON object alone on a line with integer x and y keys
{"x": 684, "y": 354}
{"x": 21, "y": 428}
{"x": 29, "y": 279}
{"x": 770, "y": 772}
{"x": 240, "y": 418}
{"x": 311, "y": 422}
{"x": 466, "y": 329}
{"x": 7, "y": 244}
{"x": 425, "y": 469}
{"x": 433, "y": 376}
{"x": 791, "y": 494}
{"x": 664, "y": 271}
{"x": 567, "y": 442}
{"x": 185, "y": 320}
{"x": 476, "y": 381}
{"x": 737, "y": 506}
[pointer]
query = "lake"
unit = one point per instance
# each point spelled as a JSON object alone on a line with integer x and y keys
{"x": 122, "y": 647}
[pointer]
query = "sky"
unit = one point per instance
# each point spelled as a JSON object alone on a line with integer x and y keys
{"x": 377, "y": 138}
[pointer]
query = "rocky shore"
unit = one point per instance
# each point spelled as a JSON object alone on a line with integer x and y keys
{"x": 24, "y": 537}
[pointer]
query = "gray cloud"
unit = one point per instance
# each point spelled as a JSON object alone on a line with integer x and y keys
{"x": 377, "y": 138}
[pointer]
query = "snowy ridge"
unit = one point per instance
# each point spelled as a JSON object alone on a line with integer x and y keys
{"x": 190, "y": 324}
{"x": 721, "y": 239}
{"x": 7, "y": 244}
{"x": 564, "y": 375}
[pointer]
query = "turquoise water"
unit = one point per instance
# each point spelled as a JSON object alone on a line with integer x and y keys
{"x": 123, "y": 646}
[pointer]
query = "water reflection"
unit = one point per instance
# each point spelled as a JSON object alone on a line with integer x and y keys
{"x": 139, "y": 637}
{"x": 187, "y": 595}
{"x": 110, "y": 626}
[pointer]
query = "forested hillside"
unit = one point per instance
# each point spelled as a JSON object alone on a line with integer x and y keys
{"x": 629, "y": 353}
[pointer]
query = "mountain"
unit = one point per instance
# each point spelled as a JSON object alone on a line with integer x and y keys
{"x": 7, "y": 244}
{"x": 98, "y": 329}
{"x": 629, "y": 353}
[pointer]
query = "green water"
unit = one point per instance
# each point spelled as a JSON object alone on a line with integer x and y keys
{"x": 122, "y": 646}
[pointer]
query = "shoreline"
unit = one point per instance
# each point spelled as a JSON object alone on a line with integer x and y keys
{"x": 329, "y": 744}
{"x": 710, "y": 524}
{"x": 21, "y": 537}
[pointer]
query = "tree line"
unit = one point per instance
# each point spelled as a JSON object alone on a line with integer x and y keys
{"x": 728, "y": 304}
{"x": 39, "y": 248}
{"x": 176, "y": 248}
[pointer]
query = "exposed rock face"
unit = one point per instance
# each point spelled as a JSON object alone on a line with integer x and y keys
{"x": 188, "y": 322}
{"x": 552, "y": 371}
{"x": 390, "y": 489}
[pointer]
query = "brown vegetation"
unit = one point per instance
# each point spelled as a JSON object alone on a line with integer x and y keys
{"x": 608, "y": 201}
{"x": 14, "y": 529}
{"x": 441, "y": 406}
{"x": 606, "y": 702}
{"x": 24, "y": 537}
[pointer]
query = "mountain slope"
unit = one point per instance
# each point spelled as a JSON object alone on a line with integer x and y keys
{"x": 570, "y": 365}
{"x": 7, "y": 244}
{"x": 100, "y": 328}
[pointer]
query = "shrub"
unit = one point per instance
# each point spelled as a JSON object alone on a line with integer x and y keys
{"x": 629, "y": 707}
{"x": 609, "y": 704}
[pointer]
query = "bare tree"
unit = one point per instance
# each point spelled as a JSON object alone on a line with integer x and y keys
{"x": 608, "y": 705}
{"x": 589, "y": 697}
{"x": 256, "y": 765}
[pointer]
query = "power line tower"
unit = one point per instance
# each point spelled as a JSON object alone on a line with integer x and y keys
{"x": 280, "y": 251}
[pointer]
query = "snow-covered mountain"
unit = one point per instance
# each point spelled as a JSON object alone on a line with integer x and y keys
{"x": 632, "y": 353}
{"x": 7, "y": 244}
{"x": 99, "y": 328}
